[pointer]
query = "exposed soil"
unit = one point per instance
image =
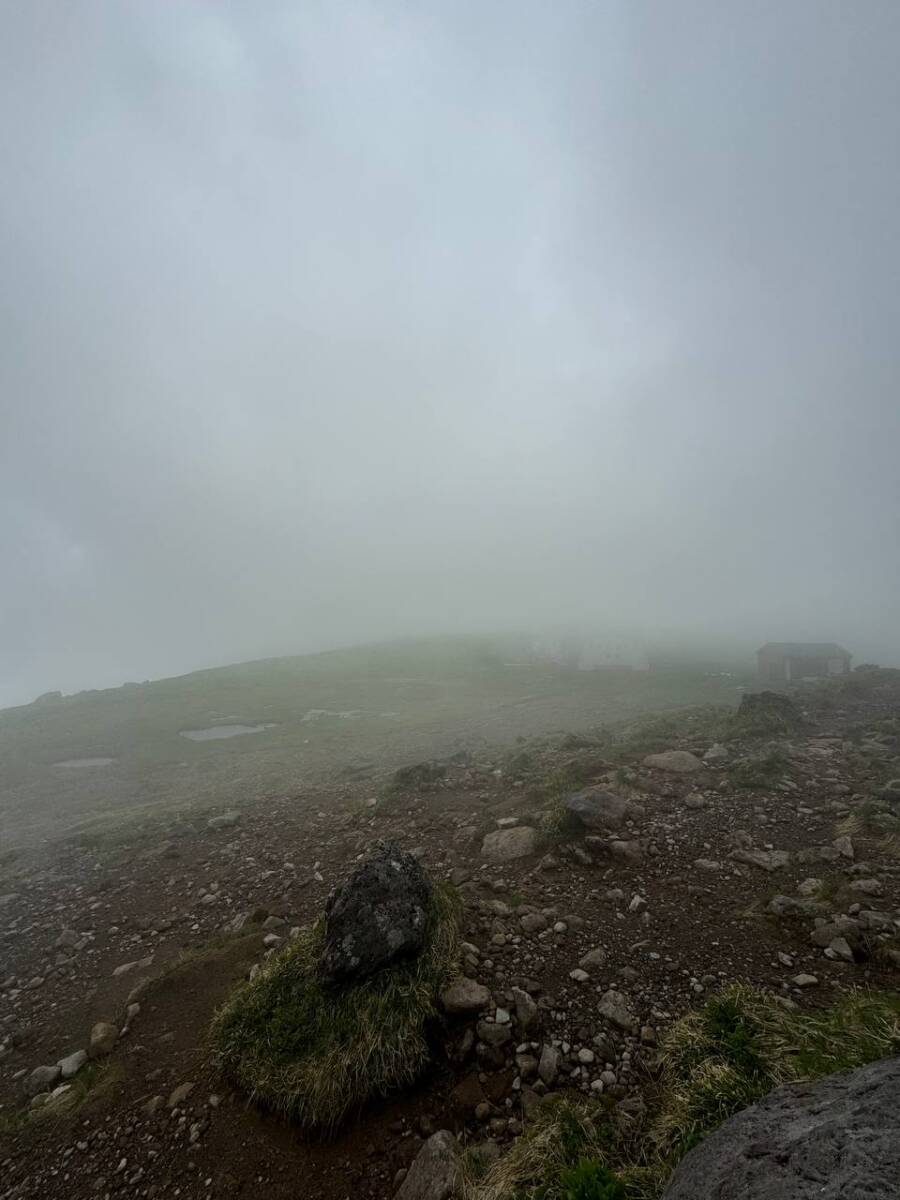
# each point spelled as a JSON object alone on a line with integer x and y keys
{"x": 676, "y": 917}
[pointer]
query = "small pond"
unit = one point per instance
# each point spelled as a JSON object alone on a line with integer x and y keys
{"x": 215, "y": 732}
{"x": 320, "y": 714}
{"x": 85, "y": 762}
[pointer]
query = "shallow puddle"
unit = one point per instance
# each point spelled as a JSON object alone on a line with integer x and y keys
{"x": 85, "y": 762}
{"x": 216, "y": 732}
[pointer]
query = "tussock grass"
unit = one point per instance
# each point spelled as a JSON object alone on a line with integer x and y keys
{"x": 765, "y": 714}
{"x": 557, "y": 822}
{"x": 740, "y": 1044}
{"x": 761, "y": 770}
{"x": 714, "y": 1061}
{"x": 312, "y": 1053}
{"x": 652, "y": 734}
{"x": 872, "y": 818}
{"x": 562, "y": 1156}
{"x": 889, "y": 846}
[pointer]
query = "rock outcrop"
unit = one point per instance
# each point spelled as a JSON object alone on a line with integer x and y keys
{"x": 375, "y": 917}
{"x": 835, "y": 1139}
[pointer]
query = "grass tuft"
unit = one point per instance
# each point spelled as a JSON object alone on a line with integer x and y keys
{"x": 761, "y": 770}
{"x": 740, "y": 1044}
{"x": 564, "y": 1135}
{"x": 765, "y": 714}
{"x": 714, "y": 1061}
{"x": 313, "y": 1054}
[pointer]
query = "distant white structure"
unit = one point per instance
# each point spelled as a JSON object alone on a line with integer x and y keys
{"x": 592, "y": 652}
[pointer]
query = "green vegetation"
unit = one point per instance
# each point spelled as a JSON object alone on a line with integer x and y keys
{"x": 872, "y": 818}
{"x": 653, "y": 733}
{"x": 760, "y": 770}
{"x": 419, "y": 775}
{"x": 554, "y": 787}
{"x": 715, "y": 1061}
{"x": 312, "y": 1053}
{"x": 590, "y": 1180}
{"x": 551, "y": 1159}
{"x": 94, "y": 1082}
{"x": 741, "y": 1044}
{"x": 765, "y": 714}
{"x": 407, "y": 702}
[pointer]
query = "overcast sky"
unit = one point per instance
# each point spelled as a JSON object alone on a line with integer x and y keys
{"x": 323, "y": 322}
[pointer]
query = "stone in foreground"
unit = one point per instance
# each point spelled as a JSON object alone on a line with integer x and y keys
{"x": 435, "y": 1172}
{"x": 375, "y": 917}
{"x": 465, "y": 996}
{"x": 504, "y": 845}
{"x": 103, "y": 1039}
{"x": 835, "y": 1139}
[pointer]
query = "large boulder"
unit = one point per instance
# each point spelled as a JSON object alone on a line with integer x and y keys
{"x": 835, "y": 1139}
{"x": 375, "y": 917}
{"x": 595, "y": 808}
{"x": 504, "y": 845}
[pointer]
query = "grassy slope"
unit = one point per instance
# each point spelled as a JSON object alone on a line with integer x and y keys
{"x": 417, "y": 699}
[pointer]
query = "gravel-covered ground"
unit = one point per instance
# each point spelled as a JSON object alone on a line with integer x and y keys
{"x": 770, "y": 860}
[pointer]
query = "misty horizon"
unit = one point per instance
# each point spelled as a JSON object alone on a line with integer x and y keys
{"x": 326, "y": 327}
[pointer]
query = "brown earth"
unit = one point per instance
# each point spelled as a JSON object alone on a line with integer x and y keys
{"x": 671, "y": 930}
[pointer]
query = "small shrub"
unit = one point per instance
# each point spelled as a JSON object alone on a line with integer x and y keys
{"x": 765, "y": 714}
{"x": 419, "y": 775}
{"x": 761, "y": 770}
{"x": 571, "y": 777}
{"x": 313, "y": 1053}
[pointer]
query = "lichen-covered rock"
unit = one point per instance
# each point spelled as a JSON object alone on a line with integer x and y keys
{"x": 375, "y": 917}
{"x": 595, "y": 808}
{"x": 504, "y": 845}
{"x": 835, "y": 1139}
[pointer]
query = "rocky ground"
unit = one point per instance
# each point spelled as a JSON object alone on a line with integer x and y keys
{"x": 698, "y": 857}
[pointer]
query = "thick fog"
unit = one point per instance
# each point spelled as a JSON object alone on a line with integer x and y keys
{"x": 327, "y": 322}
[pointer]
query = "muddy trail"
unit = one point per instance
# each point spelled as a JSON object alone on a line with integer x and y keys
{"x": 770, "y": 855}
